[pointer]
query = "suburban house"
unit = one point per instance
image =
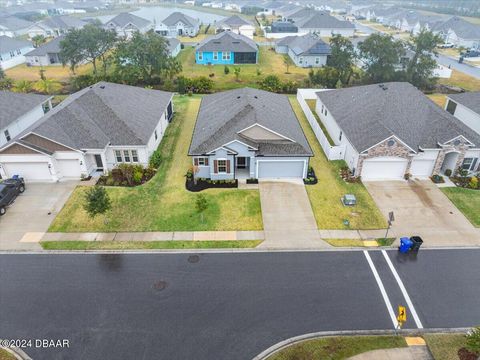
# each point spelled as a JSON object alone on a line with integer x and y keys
{"x": 226, "y": 48}
{"x": 178, "y": 24}
{"x": 248, "y": 133}
{"x": 125, "y": 24}
{"x": 237, "y": 25}
{"x": 92, "y": 130}
{"x": 324, "y": 25}
{"x": 12, "y": 26}
{"x": 174, "y": 46}
{"x": 55, "y": 26}
{"x": 392, "y": 129}
{"x": 459, "y": 32}
{"x": 296, "y": 14}
{"x": 46, "y": 54}
{"x": 305, "y": 51}
{"x": 20, "y": 111}
{"x": 12, "y": 51}
{"x": 466, "y": 108}
{"x": 283, "y": 27}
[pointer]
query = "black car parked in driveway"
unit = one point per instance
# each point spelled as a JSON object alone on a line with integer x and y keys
{"x": 9, "y": 190}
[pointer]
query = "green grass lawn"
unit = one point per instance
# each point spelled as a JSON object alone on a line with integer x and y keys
{"x": 467, "y": 201}
{"x": 337, "y": 348}
{"x": 462, "y": 80}
{"x": 5, "y": 355}
{"x": 311, "y": 104}
{"x": 148, "y": 245}
{"x": 269, "y": 63}
{"x": 325, "y": 196}
{"x": 163, "y": 204}
{"x": 358, "y": 242}
{"x": 445, "y": 346}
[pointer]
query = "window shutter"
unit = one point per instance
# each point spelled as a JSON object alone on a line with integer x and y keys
{"x": 206, "y": 161}
{"x": 215, "y": 166}
{"x": 228, "y": 166}
{"x": 195, "y": 161}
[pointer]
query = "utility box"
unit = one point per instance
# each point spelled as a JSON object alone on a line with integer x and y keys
{"x": 349, "y": 200}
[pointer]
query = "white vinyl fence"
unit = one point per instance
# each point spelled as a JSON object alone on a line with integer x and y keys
{"x": 332, "y": 152}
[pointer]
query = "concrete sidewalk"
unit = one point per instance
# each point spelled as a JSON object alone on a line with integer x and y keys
{"x": 408, "y": 353}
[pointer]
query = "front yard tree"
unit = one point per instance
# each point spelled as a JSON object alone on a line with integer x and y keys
{"x": 38, "y": 40}
{"x": 70, "y": 50}
{"x": 236, "y": 71}
{"x": 342, "y": 57}
{"x": 97, "y": 201}
{"x": 201, "y": 205}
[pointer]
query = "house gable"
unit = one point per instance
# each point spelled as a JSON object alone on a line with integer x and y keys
{"x": 257, "y": 132}
{"x": 45, "y": 143}
{"x": 19, "y": 149}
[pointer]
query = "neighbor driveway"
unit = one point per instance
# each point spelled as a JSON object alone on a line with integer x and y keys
{"x": 420, "y": 208}
{"x": 31, "y": 214}
{"x": 288, "y": 219}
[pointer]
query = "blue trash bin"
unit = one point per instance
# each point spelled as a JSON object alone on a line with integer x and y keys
{"x": 405, "y": 245}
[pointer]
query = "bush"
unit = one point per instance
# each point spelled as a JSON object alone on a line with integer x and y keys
{"x": 226, "y": 70}
{"x": 199, "y": 85}
{"x": 138, "y": 176}
{"x": 473, "y": 184}
{"x": 473, "y": 340}
{"x": 271, "y": 83}
{"x": 448, "y": 172}
{"x": 155, "y": 159}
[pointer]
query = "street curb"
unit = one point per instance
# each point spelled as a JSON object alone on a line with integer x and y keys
{"x": 17, "y": 352}
{"x": 298, "y": 339}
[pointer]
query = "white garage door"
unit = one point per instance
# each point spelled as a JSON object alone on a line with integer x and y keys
{"x": 280, "y": 169}
{"x": 422, "y": 168}
{"x": 68, "y": 168}
{"x": 30, "y": 171}
{"x": 384, "y": 168}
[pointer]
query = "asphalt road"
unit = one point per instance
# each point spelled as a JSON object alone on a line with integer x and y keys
{"x": 222, "y": 306}
{"x": 454, "y": 64}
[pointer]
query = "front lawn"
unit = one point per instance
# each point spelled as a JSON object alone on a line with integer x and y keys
{"x": 462, "y": 80}
{"x": 269, "y": 62}
{"x": 5, "y": 355}
{"x": 336, "y": 348}
{"x": 163, "y": 204}
{"x": 467, "y": 201}
{"x": 445, "y": 346}
{"x": 32, "y": 73}
{"x": 325, "y": 196}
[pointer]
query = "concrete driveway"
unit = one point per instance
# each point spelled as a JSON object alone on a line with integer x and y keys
{"x": 31, "y": 214}
{"x": 420, "y": 208}
{"x": 288, "y": 219}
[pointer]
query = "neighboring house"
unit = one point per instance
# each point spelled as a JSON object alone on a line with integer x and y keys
{"x": 392, "y": 129}
{"x": 12, "y": 26}
{"x": 20, "y": 111}
{"x": 226, "y": 48}
{"x": 12, "y": 51}
{"x": 46, "y": 54}
{"x": 237, "y": 25}
{"x": 296, "y": 14}
{"x": 178, "y": 24}
{"x": 466, "y": 108}
{"x": 95, "y": 129}
{"x": 283, "y": 27}
{"x": 125, "y": 24}
{"x": 174, "y": 46}
{"x": 305, "y": 51}
{"x": 248, "y": 133}
{"x": 55, "y": 26}
{"x": 324, "y": 25}
{"x": 459, "y": 32}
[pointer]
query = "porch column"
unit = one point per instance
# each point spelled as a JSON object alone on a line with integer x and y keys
{"x": 104, "y": 162}
{"x": 251, "y": 166}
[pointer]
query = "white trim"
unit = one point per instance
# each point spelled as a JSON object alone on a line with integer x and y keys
{"x": 392, "y": 136}
{"x": 265, "y": 128}
{"x": 230, "y": 150}
{"x": 456, "y": 137}
{"x": 26, "y": 146}
{"x": 277, "y": 160}
{"x": 46, "y": 138}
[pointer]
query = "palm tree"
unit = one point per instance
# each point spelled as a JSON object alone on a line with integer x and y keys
{"x": 22, "y": 86}
{"x": 47, "y": 86}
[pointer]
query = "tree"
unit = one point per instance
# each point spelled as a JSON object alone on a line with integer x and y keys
{"x": 271, "y": 83}
{"x": 47, "y": 86}
{"x": 236, "y": 71}
{"x": 473, "y": 341}
{"x": 2, "y": 73}
{"x": 145, "y": 57}
{"x": 381, "y": 55}
{"x": 327, "y": 77}
{"x": 287, "y": 62}
{"x": 97, "y": 201}
{"x": 70, "y": 51}
{"x": 22, "y": 86}
{"x": 38, "y": 40}
{"x": 201, "y": 205}
{"x": 342, "y": 57}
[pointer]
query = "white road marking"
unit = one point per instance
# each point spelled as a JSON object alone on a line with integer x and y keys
{"x": 382, "y": 289}
{"x": 404, "y": 291}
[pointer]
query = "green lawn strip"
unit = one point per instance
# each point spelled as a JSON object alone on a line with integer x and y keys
{"x": 467, "y": 201}
{"x": 5, "y": 355}
{"x": 325, "y": 196}
{"x": 358, "y": 242}
{"x": 385, "y": 242}
{"x": 148, "y": 245}
{"x": 445, "y": 346}
{"x": 163, "y": 204}
{"x": 336, "y": 348}
{"x": 311, "y": 104}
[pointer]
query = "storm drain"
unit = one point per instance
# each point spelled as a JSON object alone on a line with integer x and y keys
{"x": 193, "y": 259}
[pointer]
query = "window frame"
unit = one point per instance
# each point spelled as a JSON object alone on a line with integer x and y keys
{"x": 127, "y": 156}
{"x": 8, "y": 137}
{"x": 215, "y": 55}
{"x": 118, "y": 155}
{"x": 134, "y": 155}
{"x": 471, "y": 164}
{"x": 200, "y": 55}
{"x": 202, "y": 160}
{"x": 219, "y": 166}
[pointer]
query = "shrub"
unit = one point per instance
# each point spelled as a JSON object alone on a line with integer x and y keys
{"x": 155, "y": 159}
{"x": 137, "y": 176}
{"x": 226, "y": 70}
{"x": 97, "y": 201}
{"x": 189, "y": 174}
{"x": 199, "y": 85}
{"x": 473, "y": 184}
{"x": 211, "y": 75}
{"x": 271, "y": 83}
{"x": 473, "y": 340}
{"x": 109, "y": 181}
{"x": 448, "y": 172}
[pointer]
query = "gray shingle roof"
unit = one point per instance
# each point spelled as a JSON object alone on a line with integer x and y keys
{"x": 322, "y": 20}
{"x": 175, "y": 17}
{"x": 223, "y": 115}
{"x": 369, "y": 114}
{"x": 469, "y": 99}
{"x": 308, "y": 44}
{"x": 13, "y": 23}
{"x": 234, "y": 21}
{"x": 13, "y": 105}
{"x": 8, "y": 44}
{"x": 123, "y": 19}
{"x": 63, "y": 22}
{"x": 463, "y": 28}
{"x": 51, "y": 47}
{"x": 172, "y": 44}
{"x": 103, "y": 114}
{"x": 227, "y": 41}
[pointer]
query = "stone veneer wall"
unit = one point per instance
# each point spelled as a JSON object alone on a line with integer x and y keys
{"x": 460, "y": 148}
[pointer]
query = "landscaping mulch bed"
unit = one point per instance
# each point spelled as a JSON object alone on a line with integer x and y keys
{"x": 311, "y": 178}
{"x": 210, "y": 184}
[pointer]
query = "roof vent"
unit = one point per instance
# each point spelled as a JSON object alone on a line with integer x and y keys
{"x": 255, "y": 96}
{"x": 382, "y": 86}
{"x": 102, "y": 86}
{"x": 238, "y": 97}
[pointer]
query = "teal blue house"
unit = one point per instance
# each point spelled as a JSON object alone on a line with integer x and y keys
{"x": 226, "y": 48}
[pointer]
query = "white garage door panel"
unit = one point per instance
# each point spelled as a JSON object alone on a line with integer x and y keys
{"x": 280, "y": 169}
{"x": 384, "y": 168}
{"x": 68, "y": 168}
{"x": 33, "y": 171}
{"x": 422, "y": 168}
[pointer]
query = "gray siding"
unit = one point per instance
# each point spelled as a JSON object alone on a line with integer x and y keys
{"x": 308, "y": 61}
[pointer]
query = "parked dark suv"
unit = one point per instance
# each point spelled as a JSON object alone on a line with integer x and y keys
{"x": 9, "y": 190}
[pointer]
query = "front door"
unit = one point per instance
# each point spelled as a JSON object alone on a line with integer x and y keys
{"x": 99, "y": 162}
{"x": 241, "y": 162}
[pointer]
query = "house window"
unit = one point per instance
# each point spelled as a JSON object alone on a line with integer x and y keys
{"x": 134, "y": 156}
{"x": 118, "y": 156}
{"x": 226, "y": 55}
{"x": 126, "y": 156}
{"x": 300, "y": 60}
{"x": 469, "y": 163}
{"x": 451, "y": 107}
{"x": 18, "y": 52}
{"x": 215, "y": 55}
{"x": 7, "y": 135}
{"x": 202, "y": 161}
{"x": 156, "y": 136}
{"x": 222, "y": 166}
{"x": 317, "y": 60}
{"x": 323, "y": 107}
{"x": 340, "y": 136}
{"x": 200, "y": 56}
{"x": 326, "y": 112}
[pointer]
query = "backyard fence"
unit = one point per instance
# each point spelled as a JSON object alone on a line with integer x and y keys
{"x": 332, "y": 152}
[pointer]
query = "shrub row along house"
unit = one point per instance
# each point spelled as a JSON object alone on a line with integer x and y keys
{"x": 92, "y": 130}
{"x": 248, "y": 133}
{"x": 305, "y": 51}
{"x": 392, "y": 130}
